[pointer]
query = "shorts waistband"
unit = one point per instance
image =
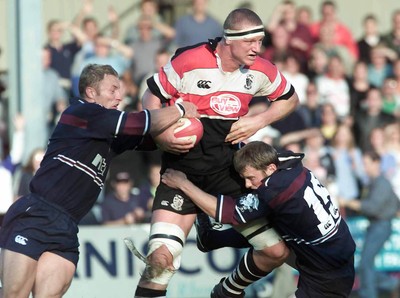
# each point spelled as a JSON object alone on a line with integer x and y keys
{"x": 53, "y": 205}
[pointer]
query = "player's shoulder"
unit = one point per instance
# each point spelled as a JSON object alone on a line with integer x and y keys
{"x": 196, "y": 56}
{"x": 263, "y": 65}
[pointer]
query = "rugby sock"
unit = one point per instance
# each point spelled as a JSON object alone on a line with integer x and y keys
{"x": 146, "y": 293}
{"x": 244, "y": 274}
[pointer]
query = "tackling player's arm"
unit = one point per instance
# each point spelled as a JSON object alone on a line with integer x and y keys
{"x": 166, "y": 140}
{"x": 203, "y": 200}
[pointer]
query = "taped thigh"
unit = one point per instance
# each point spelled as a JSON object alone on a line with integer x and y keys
{"x": 259, "y": 233}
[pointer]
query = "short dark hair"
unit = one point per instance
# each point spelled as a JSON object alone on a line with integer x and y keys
{"x": 92, "y": 75}
{"x": 373, "y": 155}
{"x": 241, "y": 16}
{"x": 256, "y": 154}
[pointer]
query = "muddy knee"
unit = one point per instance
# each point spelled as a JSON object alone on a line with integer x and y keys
{"x": 165, "y": 248}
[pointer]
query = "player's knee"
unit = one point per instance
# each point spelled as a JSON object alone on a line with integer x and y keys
{"x": 278, "y": 252}
{"x": 161, "y": 258}
{"x": 165, "y": 248}
{"x": 271, "y": 257}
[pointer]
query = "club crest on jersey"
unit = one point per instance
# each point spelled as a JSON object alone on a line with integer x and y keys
{"x": 177, "y": 202}
{"x": 248, "y": 203}
{"x": 249, "y": 81}
{"x": 225, "y": 104}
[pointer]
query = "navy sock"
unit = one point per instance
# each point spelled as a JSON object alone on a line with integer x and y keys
{"x": 145, "y": 293}
{"x": 244, "y": 274}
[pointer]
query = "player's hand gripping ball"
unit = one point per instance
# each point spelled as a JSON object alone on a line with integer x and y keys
{"x": 192, "y": 129}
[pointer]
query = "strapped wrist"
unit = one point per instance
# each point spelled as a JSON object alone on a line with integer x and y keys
{"x": 181, "y": 108}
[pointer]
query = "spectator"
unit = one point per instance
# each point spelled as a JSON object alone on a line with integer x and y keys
{"x": 396, "y": 75}
{"x": 329, "y": 122}
{"x": 317, "y": 63}
{"x": 333, "y": 87}
{"x": 391, "y": 100}
{"x": 383, "y": 140}
{"x": 371, "y": 117}
{"x": 160, "y": 59}
{"x": 63, "y": 54}
{"x": 342, "y": 35}
{"x": 327, "y": 43}
{"x": 349, "y": 170}
{"x": 359, "y": 86}
{"x": 304, "y": 16}
{"x": 196, "y": 26}
{"x": 380, "y": 206}
{"x": 279, "y": 48}
{"x": 391, "y": 155}
{"x": 10, "y": 163}
{"x": 90, "y": 28}
{"x": 300, "y": 39}
{"x": 121, "y": 206}
{"x": 380, "y": 67}
{"x": 159, "y": 28}
{"x": 392, "y": 38}
{"x": 145, "y": 50}
{"x": 291, "y": 123}
{"x": 292, "y": 71}
{"x": 24, "y": 177}
{"x": 112, "y": 52}
{"x": 54, "y": 96}
{"x": 370, "y": 38}
{"x": 377, "y": 141}
{"x": 311, "y": 109}
{"x": 147, "y": 190}
{"x": 318, "y": 158}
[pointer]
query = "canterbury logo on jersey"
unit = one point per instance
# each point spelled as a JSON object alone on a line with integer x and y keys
{"x": 204, "y": 84}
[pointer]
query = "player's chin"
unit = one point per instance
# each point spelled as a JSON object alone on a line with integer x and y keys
{"x": 250, "y": 60}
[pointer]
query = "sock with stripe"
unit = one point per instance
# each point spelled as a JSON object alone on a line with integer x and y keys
{"x": 244, "y": 274}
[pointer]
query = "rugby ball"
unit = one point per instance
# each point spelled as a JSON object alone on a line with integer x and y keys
{"x": 192, "y": 129}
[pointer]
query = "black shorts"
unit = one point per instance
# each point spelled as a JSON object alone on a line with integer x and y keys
{"x": 33, "y": 226}
{"x": 326, "y": 284}
{"x": 226, "y": 182}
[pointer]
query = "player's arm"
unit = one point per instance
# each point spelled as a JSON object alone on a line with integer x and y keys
{"x": 247, "y": 126}
{"x": 166, "y": 139}
{"x": 203, "y": 200}
{"x": 162, "y": 119}
{"x": 223, "y": 209}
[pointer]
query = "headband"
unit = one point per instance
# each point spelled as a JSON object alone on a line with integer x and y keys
{"x": 245, "y": 33}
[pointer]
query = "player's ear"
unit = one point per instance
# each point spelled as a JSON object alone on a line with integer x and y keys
{"x": 271, "y": 168}
{"x": 90, "y": 92}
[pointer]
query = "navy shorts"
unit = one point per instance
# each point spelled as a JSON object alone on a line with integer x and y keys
{"x": 226, "y": 182}
{"x": 33, "y": 226}
{"x": 336, "y": 283}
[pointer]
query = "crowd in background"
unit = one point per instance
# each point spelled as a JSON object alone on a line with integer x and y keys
{"x": 349, "y": 94}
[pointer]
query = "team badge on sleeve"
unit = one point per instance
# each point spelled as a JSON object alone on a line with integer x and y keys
{"x": 248, "y": 203}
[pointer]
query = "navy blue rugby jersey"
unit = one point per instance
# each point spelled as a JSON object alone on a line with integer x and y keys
{"x": 301, "y": 211}
{"x": 80, "y": 150}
